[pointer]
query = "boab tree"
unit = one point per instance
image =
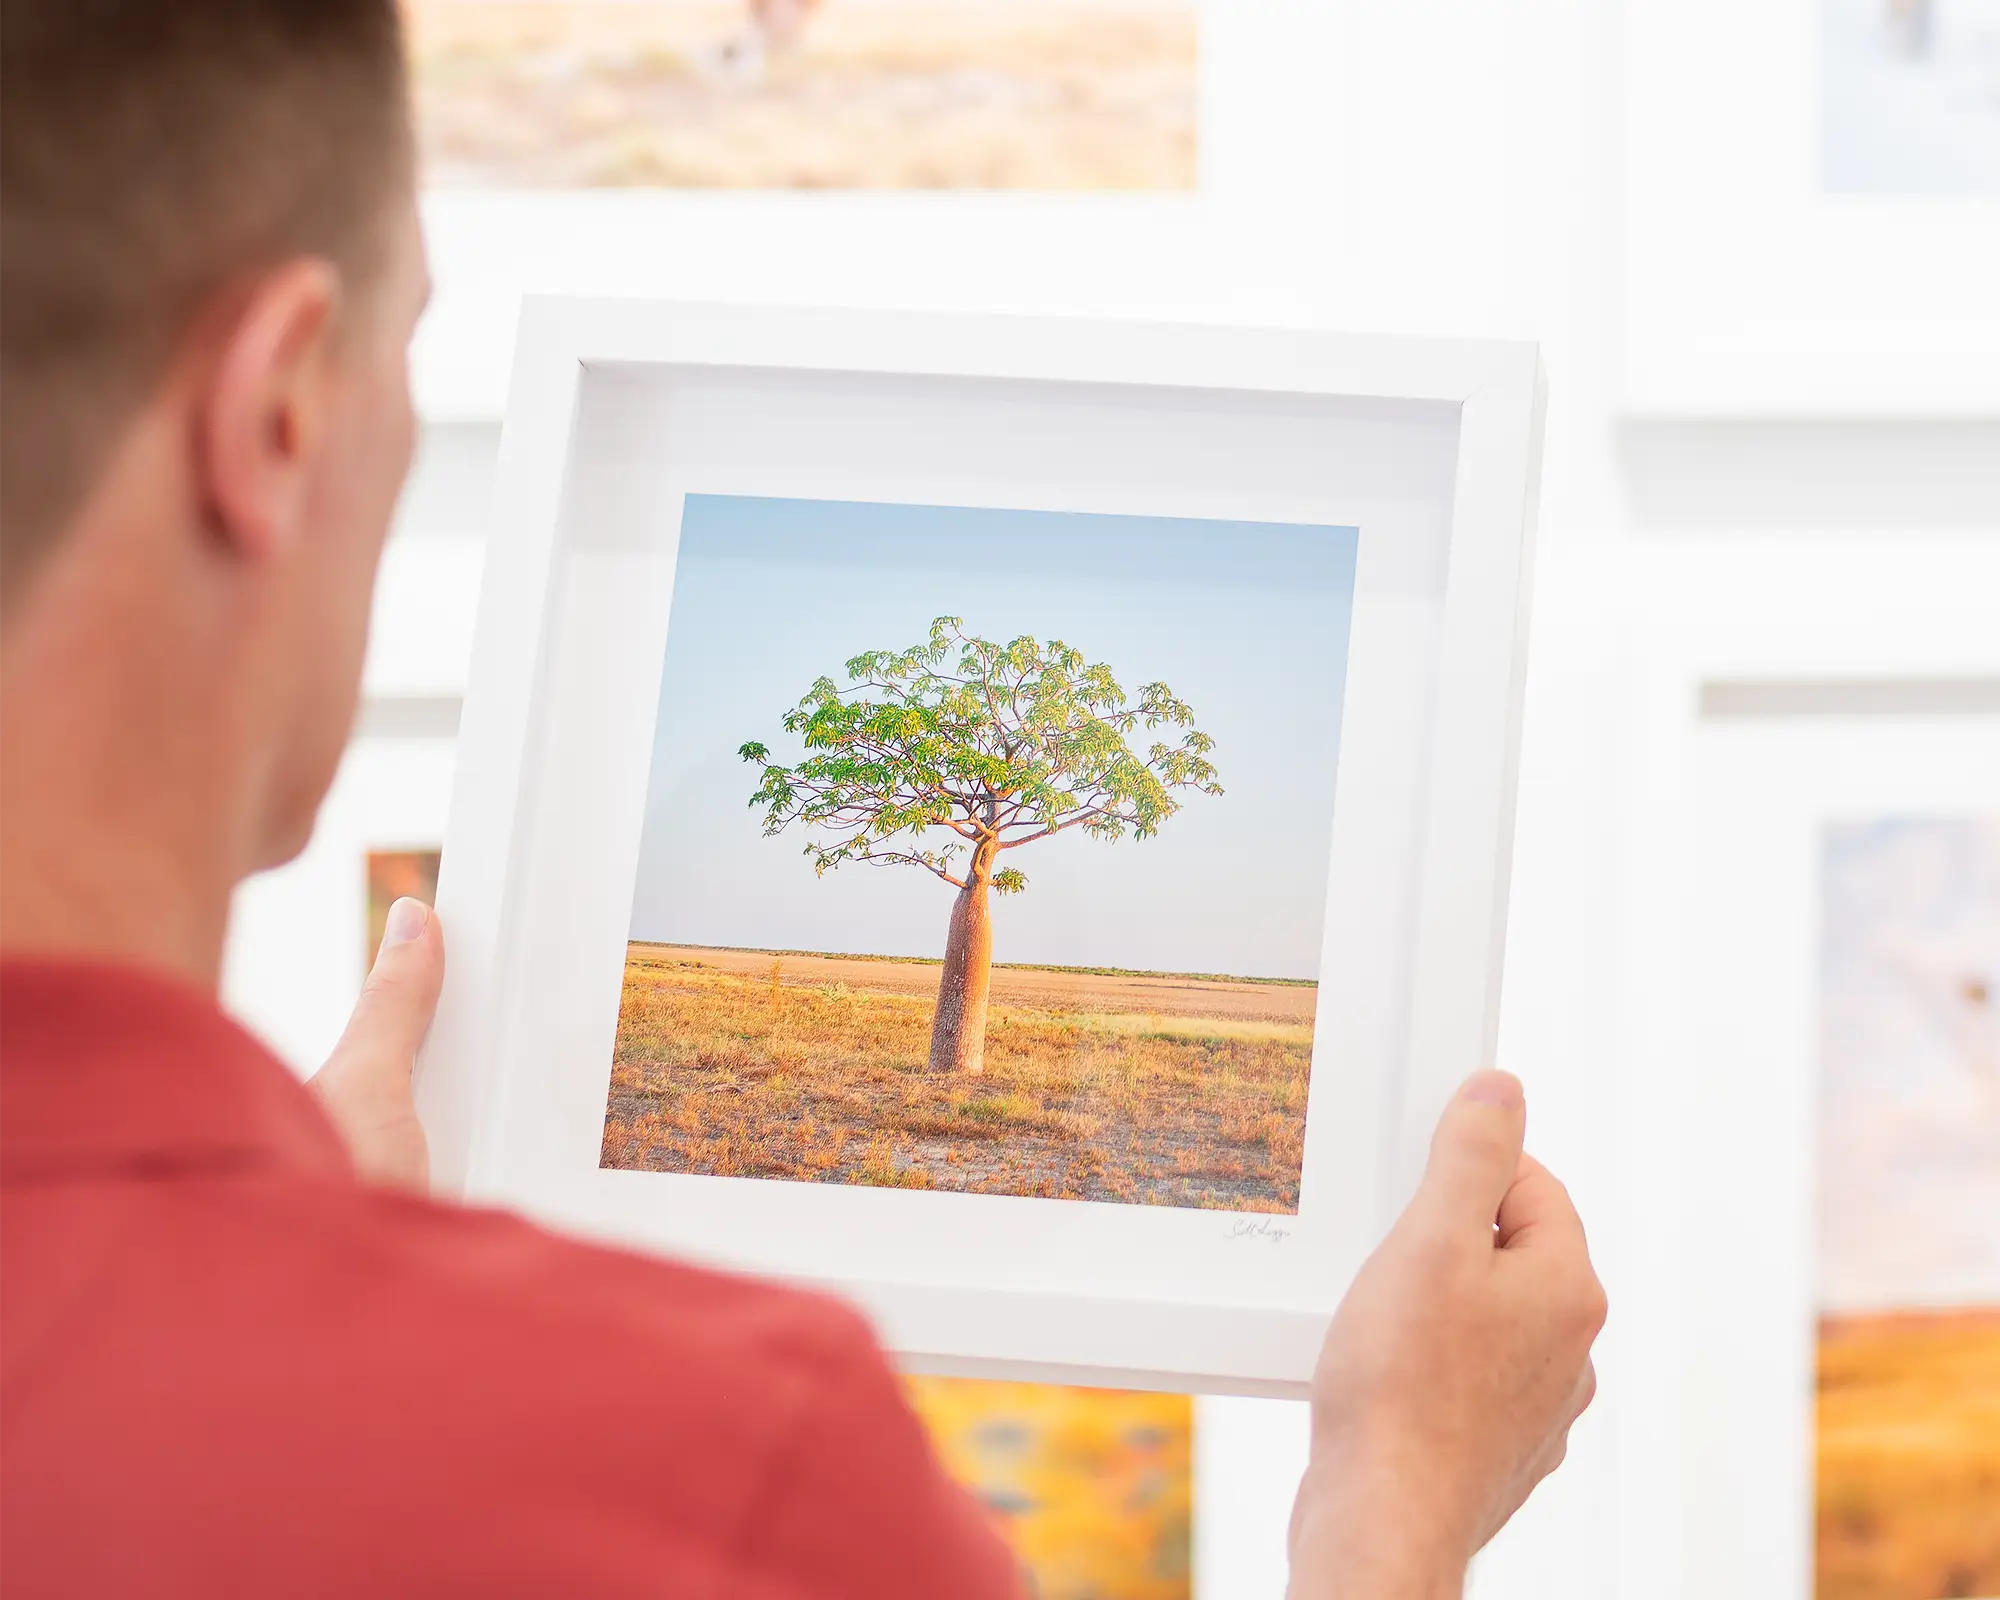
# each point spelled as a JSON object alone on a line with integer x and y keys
{"x": 1003, "y": 745}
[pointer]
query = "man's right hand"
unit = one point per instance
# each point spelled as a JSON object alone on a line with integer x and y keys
{"x": 1453, "y": 1369}
{"x": 365, "y": 1085}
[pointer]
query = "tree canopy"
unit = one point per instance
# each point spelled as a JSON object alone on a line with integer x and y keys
{"x": 1000, "y": 744}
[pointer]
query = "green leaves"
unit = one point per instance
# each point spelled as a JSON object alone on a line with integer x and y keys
{"x": 999, "y": 744}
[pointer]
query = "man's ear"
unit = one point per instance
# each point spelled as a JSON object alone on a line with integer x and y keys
{"x": 262, "y": 413}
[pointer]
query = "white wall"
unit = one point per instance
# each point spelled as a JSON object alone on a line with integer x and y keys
{"x": 1482, "y": 193}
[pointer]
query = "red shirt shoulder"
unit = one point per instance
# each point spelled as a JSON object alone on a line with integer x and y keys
{"x": 225, "y": 1367}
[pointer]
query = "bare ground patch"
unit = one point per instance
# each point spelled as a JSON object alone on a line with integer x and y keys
{"x": 723, "y": 1070}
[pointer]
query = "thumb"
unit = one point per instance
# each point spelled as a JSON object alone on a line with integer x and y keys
{"x": 396, "y": 1002}
{"x": 1475, "y": 1153}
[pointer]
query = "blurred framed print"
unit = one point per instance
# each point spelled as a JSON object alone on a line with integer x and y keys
{"x": 1808, "y": 952}
{"x": 778, "y": 94}
{"x": 1862, "y": 919}
{"x": 1093, "y": 1489}
{"x": 1004, "y": 819}
{"x": 1822, "y": 236}
{"x": 1182, "y": 159}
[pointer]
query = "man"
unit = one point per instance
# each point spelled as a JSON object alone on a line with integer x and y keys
{"x": 228, "y": 1364}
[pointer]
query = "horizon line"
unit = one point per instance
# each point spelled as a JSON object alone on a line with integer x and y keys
{"x": 1009, "y": 966}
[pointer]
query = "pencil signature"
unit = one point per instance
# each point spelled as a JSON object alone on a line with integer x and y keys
{"x": 1258, "y": 1229}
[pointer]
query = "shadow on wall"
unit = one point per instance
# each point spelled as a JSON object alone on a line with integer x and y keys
{"x": 1810, "y": 477}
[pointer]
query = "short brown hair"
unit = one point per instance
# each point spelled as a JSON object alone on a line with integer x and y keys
{"x": 152, "y": 152}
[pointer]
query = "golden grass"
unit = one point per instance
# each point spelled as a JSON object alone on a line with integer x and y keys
{"x": 1093, "y": 1488}
{"x": 916, "y": 95}
{"x": 1909, "y": 1456}
{"x": 1190, "y": 1030}
{"x": 722, "y": 1073}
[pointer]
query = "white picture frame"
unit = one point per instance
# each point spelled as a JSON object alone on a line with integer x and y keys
{"x": 1259, "y": 234}
{"x": 621, "y": 408}
{"x": 1767, "y": 688}
{"x": 1750, "y": 290}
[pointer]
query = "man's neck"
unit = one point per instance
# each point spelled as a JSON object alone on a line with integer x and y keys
{"x": 131, "y": 905}
{"x": 118, "y": 797}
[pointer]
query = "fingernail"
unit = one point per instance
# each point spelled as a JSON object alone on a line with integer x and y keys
{"x": 1501, "y": 1089}
{"x": 406, "y": 920}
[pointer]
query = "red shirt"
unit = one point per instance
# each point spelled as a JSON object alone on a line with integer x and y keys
{"x": 226, "y": 1368}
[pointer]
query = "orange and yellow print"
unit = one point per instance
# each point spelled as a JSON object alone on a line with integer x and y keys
{"x": 1093, "y": 1488}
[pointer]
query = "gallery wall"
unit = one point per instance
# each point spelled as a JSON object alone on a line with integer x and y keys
{"x": 1473, "y": 177}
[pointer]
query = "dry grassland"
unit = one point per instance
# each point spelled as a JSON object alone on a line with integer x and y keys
{"x": 1909, "y": 1456}
{"x": 910, "y": 95}
{"x": 1096, "y": 1087}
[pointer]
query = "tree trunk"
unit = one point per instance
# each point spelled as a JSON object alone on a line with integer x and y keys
{"x": 958, "y": 1034}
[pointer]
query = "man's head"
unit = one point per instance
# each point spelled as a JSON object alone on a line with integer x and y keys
{"x": 209, "y": 272}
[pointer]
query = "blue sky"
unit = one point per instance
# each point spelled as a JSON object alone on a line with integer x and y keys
{"x": 1246, "y": 622}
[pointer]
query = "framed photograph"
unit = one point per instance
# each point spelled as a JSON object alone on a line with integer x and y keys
{"x": 1143, "y": 158}
{"x": 1813, "y": 223}
{"x": 1014, "y": 1006}
{"x": 1852, "y": 898}
{"x": 1092, "y": 1488}
{"x": 1907, "y": 1211}
{"x": 796, "y": 94}
{"x": 1005, "y": 819}
{"x": 1807, "y": 938}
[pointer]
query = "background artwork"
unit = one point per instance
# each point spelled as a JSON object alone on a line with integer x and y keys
{"x": 1910, "y": 97}
{"x": 807, "y": 94}
{"x": 1909, "y": 1211}
{"x": 392, "y": 874}
{"x": 986, "y": 850}
{"x": 1093, "y": 1488}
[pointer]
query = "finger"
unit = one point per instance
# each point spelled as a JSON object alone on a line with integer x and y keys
{"x": 1475, "y": 1154}
{"x": 1536, "y": 1207}
{"x": 401, "y": 993}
